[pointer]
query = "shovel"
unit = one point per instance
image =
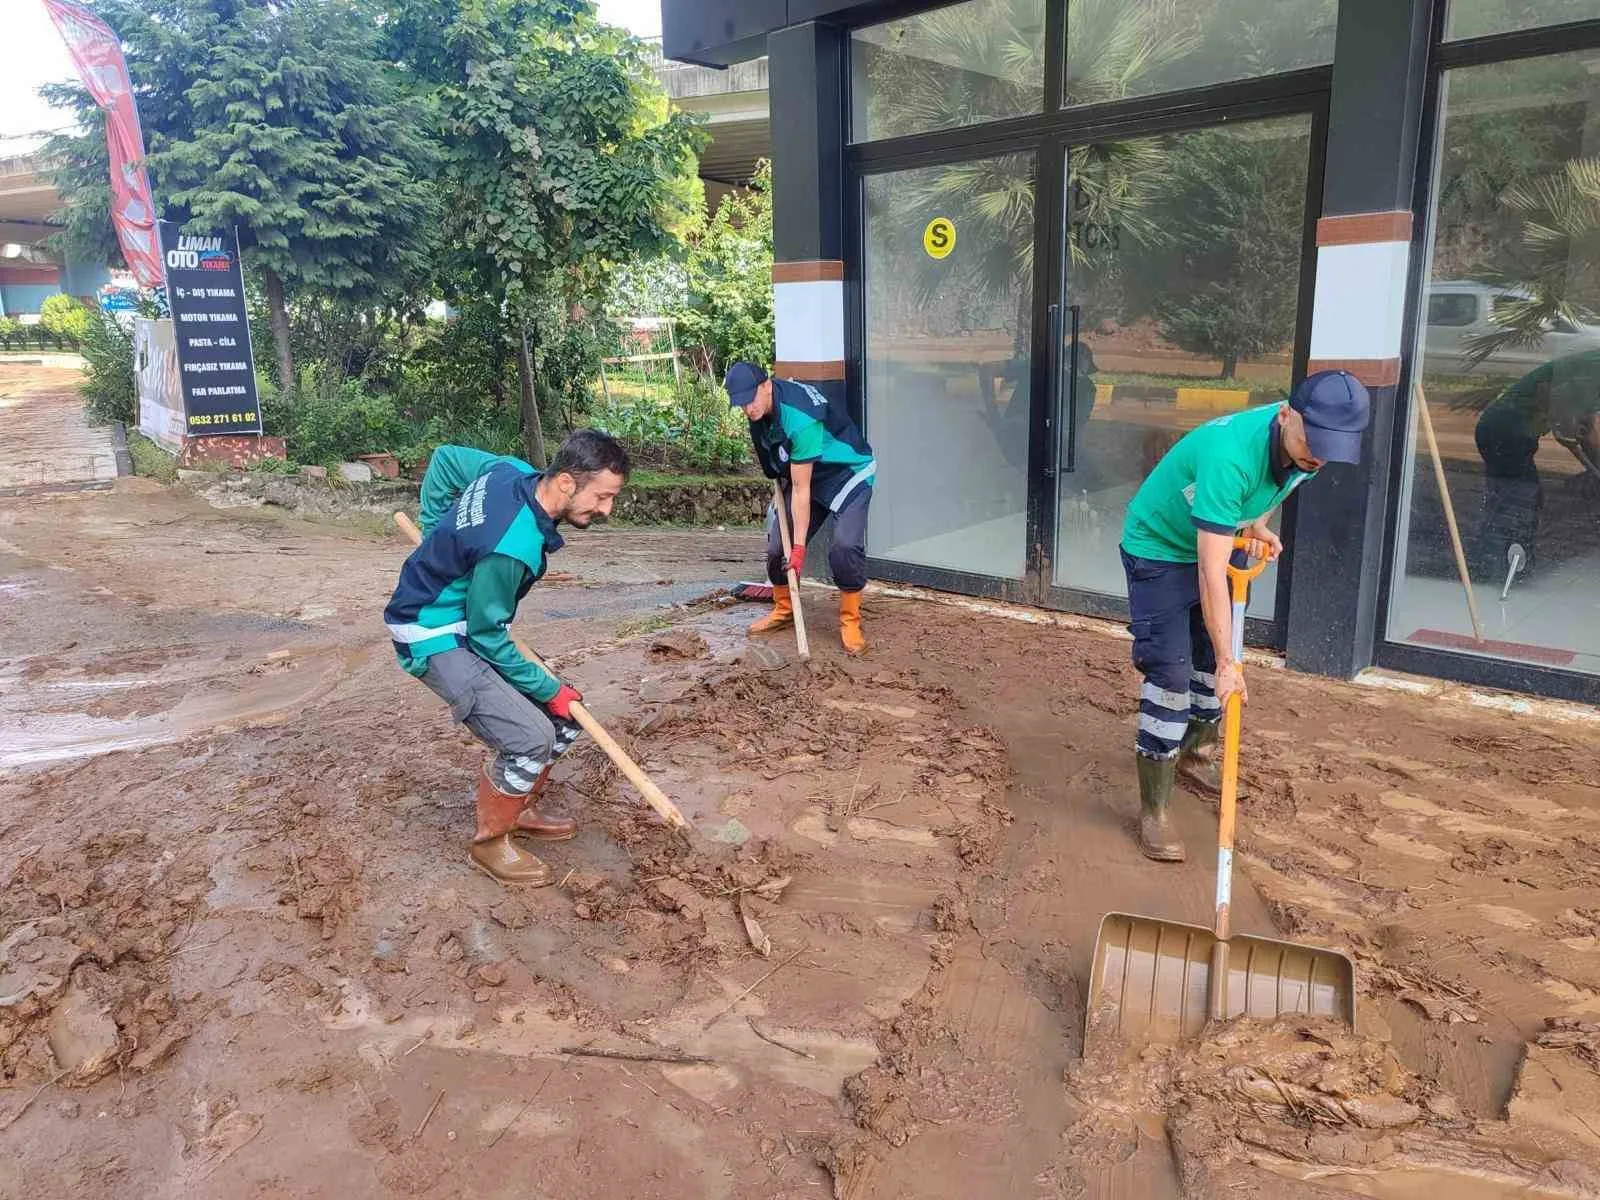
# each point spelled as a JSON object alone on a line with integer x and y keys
{"x": 1155, "y": 980}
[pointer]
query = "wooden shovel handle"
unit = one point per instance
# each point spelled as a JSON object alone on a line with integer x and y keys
{"x": 801, "y": 642}
{"x": 654, "y": 796}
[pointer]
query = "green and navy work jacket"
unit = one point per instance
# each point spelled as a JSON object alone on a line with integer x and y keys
{"x": 486, "y": 541}
{"x": 803, "y": 427}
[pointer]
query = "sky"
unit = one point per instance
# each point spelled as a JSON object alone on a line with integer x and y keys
{"x": 31, "y": 53}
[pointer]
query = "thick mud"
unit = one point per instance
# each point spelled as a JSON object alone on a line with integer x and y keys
{"x": 241, "y": 951}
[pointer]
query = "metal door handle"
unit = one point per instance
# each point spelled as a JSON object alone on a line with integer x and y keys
{"x": 1072, "y": 390}
{"x": 1053, "y": 388}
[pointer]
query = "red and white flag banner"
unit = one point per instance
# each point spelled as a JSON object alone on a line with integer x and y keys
{"x": 97, "y": 53}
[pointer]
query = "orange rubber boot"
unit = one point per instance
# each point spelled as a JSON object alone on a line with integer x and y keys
{"x": 493, "y": 852}
{"x": 782, "y": 614}
{"x": 850, "y": 623}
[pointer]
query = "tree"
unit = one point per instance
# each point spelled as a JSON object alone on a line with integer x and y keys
{"x": 729, "y": 278}
{"x": 1223, "y": 268}
{"x": 561, "y": 158}
{"x": 282, "y": 120}
{"x": 1560, "y": 242}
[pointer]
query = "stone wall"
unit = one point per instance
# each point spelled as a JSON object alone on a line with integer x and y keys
{"x": 738, "y": 500}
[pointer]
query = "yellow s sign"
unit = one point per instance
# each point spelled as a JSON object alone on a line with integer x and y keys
{"x": 939, "y": 238}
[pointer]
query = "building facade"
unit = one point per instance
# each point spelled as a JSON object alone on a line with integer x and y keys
{"x": 1032, "y": 242}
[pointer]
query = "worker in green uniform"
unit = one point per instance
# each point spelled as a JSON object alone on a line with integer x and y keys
{"x": 1560, "y": 398}
{"x": 489, "y": 528}
{"x": 1222, "y": 479}
{"x": 825, "y": 470}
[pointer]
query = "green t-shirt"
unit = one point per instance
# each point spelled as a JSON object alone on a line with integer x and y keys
{"x": 1554, "y": 395}
{"x": 1218, "y": 477}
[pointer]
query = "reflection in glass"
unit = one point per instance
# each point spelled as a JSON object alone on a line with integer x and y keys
{"x": 1118, "y": 49}
{"x": 946, "y": 364}
{"x": 1509, "y": 363}
{"x": 961, "y": 65}
{"x": 1184, "y": 271}
{"x": 1480, "y": 18}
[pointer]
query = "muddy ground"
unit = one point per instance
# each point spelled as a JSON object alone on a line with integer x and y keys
{"x": 242, "y": 954}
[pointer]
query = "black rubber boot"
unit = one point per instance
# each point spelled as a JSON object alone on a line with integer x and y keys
{"x": 1199, "y": 759}
{"x": 1157, "y": 838}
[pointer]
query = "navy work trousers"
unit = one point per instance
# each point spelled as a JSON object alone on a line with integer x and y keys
{"x": 1172, "y": 651}
{"x": 847, "y": 555}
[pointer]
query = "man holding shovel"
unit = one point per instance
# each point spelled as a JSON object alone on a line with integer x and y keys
{"x": 489, "y": 527}
{"x": 824, "y": 468}
{"x": 1225, "y": 478}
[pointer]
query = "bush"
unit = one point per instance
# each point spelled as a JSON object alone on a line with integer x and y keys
{"x": 110, "y": 392}
{"x": 335, "y": 423}
{"x": 66, "y": 318}
{"x": 689, "y": 427}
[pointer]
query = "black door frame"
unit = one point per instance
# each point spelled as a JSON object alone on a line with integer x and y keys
{"x": 1049, "y": 136}
{"x": 1388, "y": 653}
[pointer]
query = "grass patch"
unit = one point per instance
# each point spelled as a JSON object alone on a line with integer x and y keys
{"x": 150, "y": 460}
{"x": 641, "y": 626}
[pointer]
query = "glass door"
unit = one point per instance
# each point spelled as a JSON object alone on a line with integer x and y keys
{"x": 1178, "y": 302}
{"x": 947, "y": 368}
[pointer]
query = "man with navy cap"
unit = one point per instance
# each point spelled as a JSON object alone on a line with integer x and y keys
{"x": 824, "y": 469}
{"x": 1222, "y": 480}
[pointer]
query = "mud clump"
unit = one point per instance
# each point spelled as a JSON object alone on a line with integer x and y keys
{"x": 880, "y": 1103}
{"x": 1287, "y": 1092}
{"x": 84, "y": 970}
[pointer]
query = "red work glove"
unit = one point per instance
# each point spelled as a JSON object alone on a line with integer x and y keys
{"x": 797, "y": 559}
{"x": 561, "y": 703}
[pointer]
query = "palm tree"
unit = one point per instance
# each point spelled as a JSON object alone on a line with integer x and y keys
{"x": 1560, "y": 278}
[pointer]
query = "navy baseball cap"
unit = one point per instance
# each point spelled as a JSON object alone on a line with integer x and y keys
{"x": 741, "y": 381}
{"x": 1336, "y": 409}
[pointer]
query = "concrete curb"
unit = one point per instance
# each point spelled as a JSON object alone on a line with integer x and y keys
{"x": 119, "y": 448}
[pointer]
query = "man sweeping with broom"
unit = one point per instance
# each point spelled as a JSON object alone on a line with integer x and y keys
{"x": 824, "y": 469}
{"x": 1225, "y": 478}
{"x": 489, "y": 526}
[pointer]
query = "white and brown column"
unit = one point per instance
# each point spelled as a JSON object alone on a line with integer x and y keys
{"x": 808, "y": 311}
{"x": 806, "y": 70}
{"x": 1358, "y": 315}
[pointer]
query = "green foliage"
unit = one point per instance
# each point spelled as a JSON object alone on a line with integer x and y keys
{"x": 1223, "y": 268}
{"x": 560, "y": 160}
{"x": 729, "y": 279}
{"x": 337, "y": 422}
{"x": 65, "y": 316}
{"x": 1560, "y": 251}
{"x": 688, "y": 426}
{"x": 289, "y": 125}
{"x": 150, "y": 460}
{"x": 110, "y": 392}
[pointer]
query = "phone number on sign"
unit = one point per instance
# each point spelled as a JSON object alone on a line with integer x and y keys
{"x": 223, "y": 419}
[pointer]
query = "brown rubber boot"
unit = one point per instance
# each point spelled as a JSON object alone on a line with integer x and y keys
{"x": 540, "y": 828}
{"x": 850, "y": 623}
{"x": 1157, "y": 838}
{"x": 1199, "y": 764}
{"x": 781, "y": 615}
{"x": 493, "y": 851}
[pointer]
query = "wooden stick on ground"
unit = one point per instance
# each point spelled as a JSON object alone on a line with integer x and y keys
{"x": 1449, "y": 512}
{"x": 794, "y": 580}
{"x": 654, "y": 796}
{"x": 665, "y": 1056}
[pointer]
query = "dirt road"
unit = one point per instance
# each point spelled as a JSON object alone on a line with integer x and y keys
{"x": 234, "y": 897}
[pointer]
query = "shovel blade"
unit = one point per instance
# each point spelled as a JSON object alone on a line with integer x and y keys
{"x": 1151, "y": 979}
